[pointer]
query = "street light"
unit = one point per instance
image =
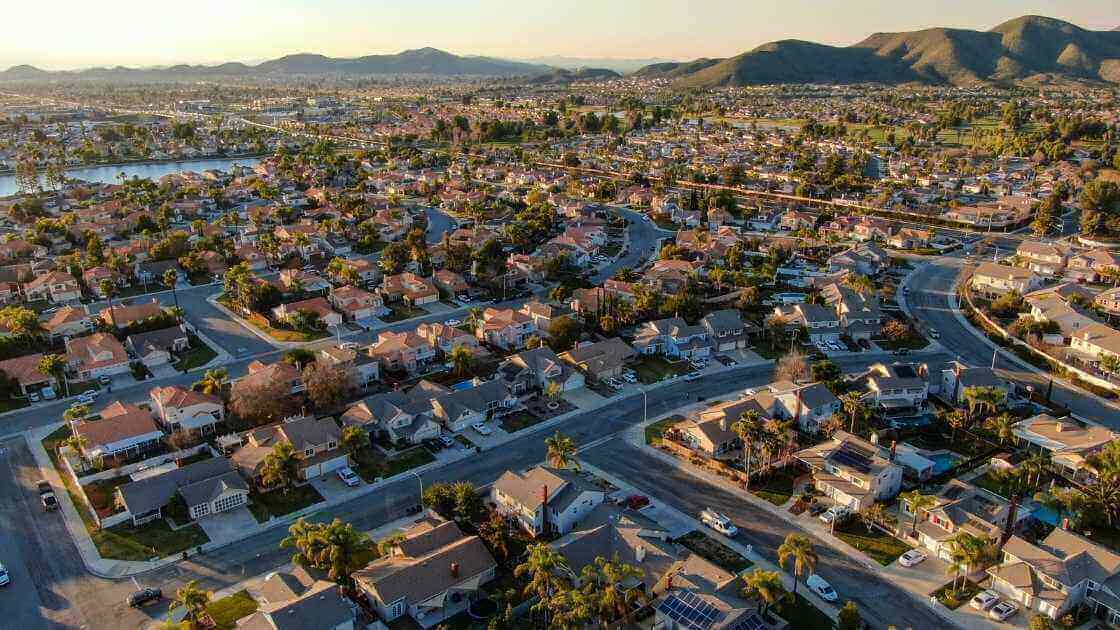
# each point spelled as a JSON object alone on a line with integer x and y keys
{"x": 421, "y": 481}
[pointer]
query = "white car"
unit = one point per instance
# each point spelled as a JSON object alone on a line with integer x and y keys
{"x": 4, "y": 577}
{"x": 822, "y": 588}
{"x": 348, "y": 476}
{"x": 718, "y": 522}
{"x": 834, "y": 513}
{"x": 482, "y": 428}
{"x": 630, "y": 377}
{"x": 933, "y": 334}
{"x": 87, "y": 398}
{"x": 33, "y": 396}
{"x": 453, "y": 322}
{"x": 912, "y": 558}
{"x": 984, "y": 600}
{"x": 1003, "y": 611}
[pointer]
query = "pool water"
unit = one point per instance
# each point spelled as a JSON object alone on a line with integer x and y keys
{"x": 463, "y": 385}
{"x": 943, "y": 462}
{"x": 1046, "y": 514}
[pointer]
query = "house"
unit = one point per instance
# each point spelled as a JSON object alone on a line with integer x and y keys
{"x": 445, "y": 338}
{"x": 867, "y": 259}
{"x": 210, "y": 486}
{"x": 316, "y": 305}
{"x": 910, "y": 238}
{"x": 1096, "y": 265}
{"x": 545, "y": 499}
{"x": 543, "y": 315}
{"x": 726, "y": 330}
{"x": 602, "y": 359}
{"x": 25, "y": 371}
{"x": 454, "y": 284}
{"x": 611, "y": 531}
{"x": 297, "y": 281}
{"x": 505, "y": 328}
{"x": 672, "y": 337}
{"x": 56, "y": 286}
{"x": 97, "y": 355}
{"x": 962, "y": 507}
{"x": 157, "y": 347}
{"x": 822, "y": 323}
{"x": 321, "y": 604}
{"x": 181, "y": 409}
{"x": 992, "y": 280}
{"x": 69, "y": 321}
{"x": 810, "y": 406}
{"x": 460, "y": 408}
{"x": 362, "y": 367}
{"x": 894, "y": 387}
{"x": 531, "y": 371}
{"x": 278, "y": 372}
{"x": 957, "y": 378}
{"x": 124, "y": 431}
{"x": 316, "y": 443}
{"x": 433, "y": 573}
{"x": 125, "y": 315}
{"x": 859, "y": 313}
{"x": 410, "y": 288}
{"x": 396, "y": 415}
{"x": 1092, "y": 343}
{"x": 402, "y": 351}
{"x": 1045, "y": 259}
{"x": 851, "y": 471}
{"x": 1069, "y": 443}
{"x": 709, "y": 430}
{"x": 357, "y": 304}
{"x": 1058, "y": 574}
{"x": 1048, "y": 307}
{"x": 252, "y": 256}
{"x": 698, "y": 595}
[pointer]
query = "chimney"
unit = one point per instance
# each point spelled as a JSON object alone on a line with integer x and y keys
{"x": 875, "y": 438}
{"x": 894, "y": 448}
{"x": 454, "y": 569}
{"x": 640, "y": 553}
{"x": 723, "y": 422}
{"x": 1059, "y": 426}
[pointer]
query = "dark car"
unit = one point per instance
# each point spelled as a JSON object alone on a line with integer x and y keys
{"x": 143, "y": 596}
{"x": 637, "y": 501}
{"x": 816, "y": 509}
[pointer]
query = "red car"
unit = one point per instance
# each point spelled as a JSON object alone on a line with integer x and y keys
{"x": 637, "y": 502}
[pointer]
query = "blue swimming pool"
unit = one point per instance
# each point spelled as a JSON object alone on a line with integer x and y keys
{"x": 1046, "y": 514}
{"x": 463, "y": 385}
{"x": 943, "y": 462}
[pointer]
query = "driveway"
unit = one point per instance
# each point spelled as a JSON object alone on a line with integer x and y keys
{"x": 584, "y": 398}
{"x": 164, "y": 371}
{"x": 229, "y": 525}
{"x": 331, "y": 487}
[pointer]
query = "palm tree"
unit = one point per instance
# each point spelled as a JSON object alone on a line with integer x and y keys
{"x": 77, "y": 442}
{"x": 191, "y": 598}
{"x": 748, "y": 427}
{"x": 171, "y": 279}
{"x": 354, "y": 440}
{"x": 462, "y": 358}
{"x": 336, "y": 548}
{"x": 544, "y": 566}
{"x": 561, "y": 451}
{"x": 386, "y": 545}
{"x": 603, "y": 582}
{"x": 965, "y": 553}
{"x": 767, "y": 587}
{"x": 799, "y": 550}
{"x": 108, "y": 289}
{"x": 553, "y": 391}
{"x": 1003, "y": 426}
{"x": 55, "y": 365}
{"x": 957, "y": 420}
{"x": 213, "y": 382}
{"x": 917, "y": 502}
{"x": 855, "y": 409}
{"x": 1035, "y": 466}
{"x": 76, "y": 412}
{"x": 982, "y": 398}
{"x": 474, "y": 317}
{"x": 281, "y": 466}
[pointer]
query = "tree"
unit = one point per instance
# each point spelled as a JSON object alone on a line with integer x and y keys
{"x": 966, "y": 553}
{"x": 1040, "y": 621}
{"x": 917, "y": 502}
{"x": 462, "y": 358}
{"x": 171, "y": 279}
{"x": 603, "y": 583}
{"x": 798, "y": 551}
{"x": 561, "y": 451}
{"x": 1003, "y": 426}
{"x": 76, "y": 412}
{"x": 1100, "y": 204}
{"x": 192, "y": 599}
{"x": 859, "y": 283}
{"x": 792, "y": 367}
{"x": 386, "y": 545}
{"x": 108, "y": 289}
{"x": 260, "y": 402}
{"x": 213, "y": 382}
{"x": 336, "y": 548}
{"x": 20, "y": 320}
{"x": 826, "y": 371}
{"x": 54, "y": 365}
{"x": 749, "y": 428}
{"x": 896, "y": 330}
{"x": 983, "y": 399}
{"x": 544, "y": 567}
{"x": 281, "y": 466}
{"x": 766, "y": 587}
{"x": 328, "y": 386}
{"x": 563, "y": 333}
{"x": 849, "y": 618}
{"x": 495, "y": 532}
{"x": 354, "y": 440}
{"x": 854, "y": 408}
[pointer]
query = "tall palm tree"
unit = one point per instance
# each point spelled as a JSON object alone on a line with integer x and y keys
{"x": 917, "y": 502}
{"x": 1035, "y": 466}
{"x": 1003, "y": 426}
{"x": 545, "y": 567}
{"x": 749, "y": 428}
{"x": 798, "y": 550}
{"x": 561, "y": 451}
{"x": 336, "y": 548}
{"x": 981, "y": 398}
{"x": 854, "y": 408}
{"x": 462, "y": 358}
{"x": 966, "y": 552}
{"x": 191, "y": 598}
{"x": 171, "y": 279}
{"x": 767, "y": 587}
{"x": 213, "y": 382}
{"x": 603, "y": 582}
{"x": 281, "y": 466}
{"x": 108, "y": 289}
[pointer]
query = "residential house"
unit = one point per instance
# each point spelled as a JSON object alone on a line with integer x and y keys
{"x": 602, "y": 359}
{"x": 316, "y": 305}
{"x": 252, "y": 256}
{"x": 410, "y": 288}
{"x": 445, "y": 338}
{"x": 210, "y": 486}
{"x": 25, "y": 371}
{"x": 182, "y": 409}
{"x": 530, "y": 371}
{"x": 962, "y": 507}
{"x": 851, "y": 471}
{"x": 1069, "y": 443}
{"x": 157, "y": 347}
{"x": 321, "y": 605}
{"x": 698, "y": 595}
{"x": 505, "y": 328}
{"x": 402, "y": 351}
{"x": 708, "y": 430}
{"x": 316, "y": 443}
{"x": 727, "y": 331}
{"x": 810, "y": 406}
{"x": 363, "y": 368}
{"x": 357, "y": 304}
{"x": 461, "y": 408}
{"x": 453, "y": 284}
{"x": 56, "y": 286}
{"x": 867, "y": 259}
{"x": 97, "y": 355}
{"x": 1096, "y": 265}
{"x": 1045, "y": 259}
{"x": 434, "y": 573}
{"x": 545, "y": 499}
{"x": 822, "y": 323}
{"x": 124, "y": 431}
{"x": 398, "y": 416}
{"x": 673, "y": 338}
{"x": 859, "y": 313}
{"x": 894, "y": 387}
{"x": 297, "y": 281}
{"x": 69, "y": 321}
{"x": 125, "y": 315}
{"x": 1092, "y": 343}
{"x": 279, "y": 372}
{"x": 543, "y": 315}
{"x": 910, "y": 238}
{"x": 992, "y": 280}
{"x": 611, "y": 531}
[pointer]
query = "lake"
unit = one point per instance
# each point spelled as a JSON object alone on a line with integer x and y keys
{"x": 150, "y": 170}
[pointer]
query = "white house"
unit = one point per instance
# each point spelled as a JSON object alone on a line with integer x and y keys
{"x": 545, "y": 499}
{"x": 181, "y": 409}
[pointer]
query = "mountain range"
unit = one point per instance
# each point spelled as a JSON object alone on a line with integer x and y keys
{"x": 1026, "y": 50}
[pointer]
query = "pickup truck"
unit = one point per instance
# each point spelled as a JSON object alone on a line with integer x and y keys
{"x": 46, "y": 496}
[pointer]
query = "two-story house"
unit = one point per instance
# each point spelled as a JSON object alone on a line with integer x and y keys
{"x": 278, "y": 372}
{"x": 398, "y": 416}
{"x": 529, "y": 372}
{"x": 822, "y": 323}
{"x": 992, "y": 280}
{"x": 726, "y": 330}
{"x": 410, "y": 288}
{"x": 363, "y": 368}
{"x": 56, "y": 286}
{"x": 961, "y": 507}
{"x": 1045, "y": 259}
{"x": 545, "y": 499}
{"x": 357, "y": 304}
{"x": 505, "y": 328}
{"x": 460, "y": 408}
{"x": 446, "y": 338}
{"x": 810, "y": 406}
{"x": 851, "y": 471}
{"x": 1068, "y": 442}
{"x": 672, "y": 337}
{"x": 316, "y": 443}
{"x": 402, "y": 351}
{"x": 316, "y": 305}
{"x": 69, "y": 321}
{"x": 96, "y": 355}
{"x": 894, "y": 387}
{"x": 181, "y": 409}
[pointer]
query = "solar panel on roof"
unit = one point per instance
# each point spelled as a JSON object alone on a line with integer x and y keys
{"x": 690, "y": 610}
{"x": 749, "y": 622}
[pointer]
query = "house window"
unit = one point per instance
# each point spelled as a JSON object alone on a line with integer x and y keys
{"x": 331, "y": 445}
{"x": 309, "y": 452}
{"x": 398, "y": 609}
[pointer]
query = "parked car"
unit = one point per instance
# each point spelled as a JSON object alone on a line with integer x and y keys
{"x": 822, "y": 588}
{"x": 984, "y": 600}
{"x": 835, "y": 513}
{"x": 692, "y": 376}
{"x": 447, "y": 441}
{"x": 5, "y": 579}
{"x": 453, "y": 323}
{"x": 718, "y": 522}
{"x": 1003, "y": 611}
{"x": 104, "y": 380}
{"x": 933, "y": 334}
{"x": 912, "y": 558}
{"x": 48, "y": 393}
{"x": 482, "y": 428}
{"x": 33, "y": 396}
{"x": 637, "y": 501}
{"x": 817, "y": 509}
{"x": 46, "y": 496}
{"x": 143, "y": 596}
{"x": 349, "y": 477}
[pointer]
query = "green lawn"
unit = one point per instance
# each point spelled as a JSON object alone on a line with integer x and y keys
{"x": 656, "y": 430}
{"x": 913, "y": 341}
{"x": 877, "y": 545}
{"x": 715, "y": 552}
{"x": 10, "y": 404}
{"x": 198, "y": 355}
{"x": 261, "y": 322}
{"x": 226, "y": 611}
{"x": 369, "y": 467}
{"x": 520, "y": 420}
{"x": 155, "y": 539}
{"x": 651, "y": 369}
{"x": 954, "y": 599}
{"x": 801, "y": 613}
{"x": 777, "y": 487}
{"x": 400, "y": 312}
{"x": 278, "y": 503}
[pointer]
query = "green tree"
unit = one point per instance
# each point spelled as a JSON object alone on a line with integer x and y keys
{"x": 354, "y": 440}
{"x": 171, "y": 279}
{"x": 213, "y": 382}
{"x": 336, "y": 548}
{"x": 849, "y": 618}
{"x": 766, "y": 587}
{"x": 749, "y": 429}
{"x": 917, "y": 503}
{"x": 54, "y": 365}
{"x": 281, "y": 467}
{"x": 462, "y": 358}
{"x": 798, "y": 551}
{"x": 561, "y": 451}
{"x": 545, "y": 568}
{"x": 191, "y": 598}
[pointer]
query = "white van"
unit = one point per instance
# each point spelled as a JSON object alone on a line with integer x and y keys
{"x": 718, "y": 522}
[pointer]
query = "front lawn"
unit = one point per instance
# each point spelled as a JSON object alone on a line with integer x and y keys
{"x": 657, "y": 430}
{"x": 101, "y": 494}
{"x": 801, "y": 613}
{"x": 651, "y": 369}
{"x": 198, "y": 355}
{"x": 876, "y": 544}
{"x": 278, "y": 503}
{"x": 953, "y": 599}
{"x": 715, "y": 552}
{"x": 776, "y": 487}
{"x": 370, "y": 466}
{"x": 279, "y": 334}
{"x": 400, "y": 312}
{"x": 151, "y": 540}
{"x": 519, "y": 420}
{"x": 226, "y": 611}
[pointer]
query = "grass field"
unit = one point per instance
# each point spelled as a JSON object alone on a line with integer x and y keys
{"x": 155, "y": 539}
{"x": 519, "y": 420}
{"x": 226, "y": 611}
{"x": 777, "y": 488}
{"x": 651, "y": 369}
{"x": 198, "y": 355}
{"x": 656, "y": 430}
{"x": 876, "y": 544}
{"x": 715, "y": 552}
{"x": 278, "y": 503}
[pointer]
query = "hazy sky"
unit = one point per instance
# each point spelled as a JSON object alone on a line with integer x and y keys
{"x": 57, "y": 34}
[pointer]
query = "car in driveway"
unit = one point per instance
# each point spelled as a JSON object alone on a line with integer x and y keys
{"x": 835, "y": 513}
{"x": 1003, "y": 610}
{"x": 718, "y": 522}
{"x": 482, "y": 428}
{"x": 447, "y": 441}
{"x": 349, "y": 477}
{"x": 933, "y": 334}
{"x": 822, "y": 588}
{"x": 984, "y": 600}
{"x": 46, "y": 496}
{"x": 5, "y": 579}
{"x": 104, "y": 380}
{"x": 912, "y": 558}
{"x": 143, "y": 596}
{"x": 453, "y": 323}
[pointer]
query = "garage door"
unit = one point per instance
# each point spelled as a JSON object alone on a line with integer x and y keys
{"x": 332, "y": 465}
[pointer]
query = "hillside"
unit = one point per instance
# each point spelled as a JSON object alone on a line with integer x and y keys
{"x": 561, "y": 76}
{"x": 675, "y": 69}
{"x": 1030, "y": 49}
{"x": 423, "y": 61}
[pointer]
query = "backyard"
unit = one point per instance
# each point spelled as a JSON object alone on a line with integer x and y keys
{"x": 875, "y": 543}
{"x": 715, "y": 552}
{"x": 277, "y": 503}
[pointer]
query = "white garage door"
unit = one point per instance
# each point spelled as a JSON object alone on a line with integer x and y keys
{"x": 332, "y": 465}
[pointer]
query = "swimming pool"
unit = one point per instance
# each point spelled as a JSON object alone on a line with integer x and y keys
{"x": 463, "y": 385}
{"x": 943, "y": 462}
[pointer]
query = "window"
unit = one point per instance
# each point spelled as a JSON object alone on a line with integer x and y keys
{"x": 398, "y": 609}
{"x": 309, "y": 452}
{"x": 332, "y": 444}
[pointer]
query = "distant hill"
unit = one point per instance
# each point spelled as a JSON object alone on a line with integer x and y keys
{"x": 564, "y": 76}
{"x": 621, "y": 66}
{"x": 1030, "y": 49}
{"x": 674, "y": 69}
{"x": 423, "y": 61}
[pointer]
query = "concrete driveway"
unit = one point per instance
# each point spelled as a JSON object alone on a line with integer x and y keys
{"x": 583, "y": 398}
{"x": 230, "y": 525}
{"x": 164, "y": 371}
{"x": 330, "y": 486}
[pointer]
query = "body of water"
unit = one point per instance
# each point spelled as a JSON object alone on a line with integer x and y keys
{"x": 150, "y": 170}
